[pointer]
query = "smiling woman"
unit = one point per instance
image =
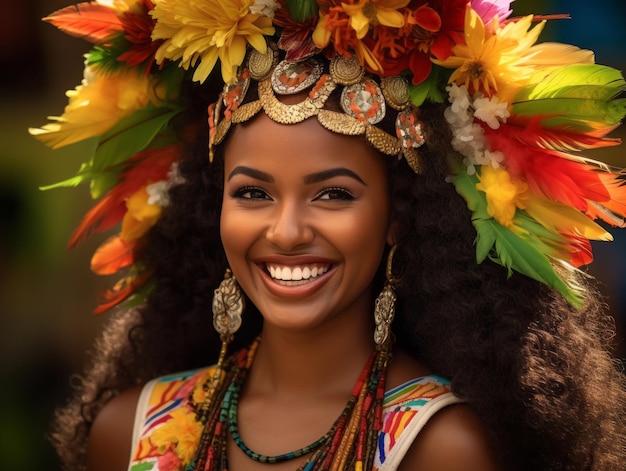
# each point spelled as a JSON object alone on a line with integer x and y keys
{"x": 324, "y": 209}
{"x": 386, "y": 223}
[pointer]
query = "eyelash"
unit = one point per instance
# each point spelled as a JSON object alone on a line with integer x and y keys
{"x": 250, "y": 189}
{"x": 341, "y": 194}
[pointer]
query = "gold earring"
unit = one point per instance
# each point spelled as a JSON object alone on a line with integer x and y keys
{"x": 227, "y": 307}
{"x": 385, "y": 305}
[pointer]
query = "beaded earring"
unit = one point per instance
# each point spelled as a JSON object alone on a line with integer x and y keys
{"x": 385, "y": 305}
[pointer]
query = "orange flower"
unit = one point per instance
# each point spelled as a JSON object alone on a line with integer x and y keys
{"x": 367, "y": 13}
{"x": 334, "y": 29}
{"x": 430, "y": 30}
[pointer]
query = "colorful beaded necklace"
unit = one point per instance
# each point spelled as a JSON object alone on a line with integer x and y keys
{"x": 349, "y": 444}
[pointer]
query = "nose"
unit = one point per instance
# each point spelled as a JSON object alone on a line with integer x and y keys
{"x": 289, "y": 227}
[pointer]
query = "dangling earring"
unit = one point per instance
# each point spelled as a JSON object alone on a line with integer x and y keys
{"x": 385, "y": 305}
{"x": 227, "y": 309}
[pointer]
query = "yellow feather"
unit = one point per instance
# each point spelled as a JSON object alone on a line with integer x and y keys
{"x": 564, "y": 219}
{"x": 556, "y": 54}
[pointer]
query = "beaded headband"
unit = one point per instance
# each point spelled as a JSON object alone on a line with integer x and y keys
{"x": 518, "y": 110}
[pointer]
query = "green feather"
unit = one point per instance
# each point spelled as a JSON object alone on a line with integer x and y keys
{"x": 499, "y": 244}
{"x": 105, "y": 57}
{"x": 128, "y": 137}
{"x": 432, "y": 89}
{"x": 302, "y": 10}
{"x": 574, "y": 81}
{"x": 131, "y": 135}
{"x": 578, "y": 97}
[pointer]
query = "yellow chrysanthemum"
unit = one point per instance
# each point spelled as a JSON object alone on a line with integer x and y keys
{"x": 205, "y": 31}
{"x": 504, "y": 195}
{"x": 374, "y": 12}
{"x": 497, "y": 62}
{"x": 181, "y": 431}
{"x": 96, "y": 105}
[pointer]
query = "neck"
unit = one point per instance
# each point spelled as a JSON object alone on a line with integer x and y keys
{"x": 327, "y": 359}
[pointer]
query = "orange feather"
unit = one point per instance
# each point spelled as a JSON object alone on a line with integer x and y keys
{"x": 144, "y": 168}
{"x": 121, "y": 291}
{"x": 113, "y": 255}
{"x": 89, "y": 21}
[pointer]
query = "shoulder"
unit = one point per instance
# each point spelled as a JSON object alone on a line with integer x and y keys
{"x": 111, "y": 434}
{"x": 454, "y": 439}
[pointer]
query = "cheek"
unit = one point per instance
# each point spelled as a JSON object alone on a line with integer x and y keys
{"x": 363, "y": 236}
{"x": 234, "y": 231}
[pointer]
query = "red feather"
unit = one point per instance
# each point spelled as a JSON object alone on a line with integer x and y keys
{"x": 121, "y": 291}
{"x": 530, "y": 132}
{"x": 113, "y": 255}
{"x": 144, "y": 168}
{"x": 89, "y": 21}
{"x": 579, "y": 248}
{"x": 547, "y": 172}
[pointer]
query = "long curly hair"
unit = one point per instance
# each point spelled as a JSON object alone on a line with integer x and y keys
{"x": 538, "y": 372}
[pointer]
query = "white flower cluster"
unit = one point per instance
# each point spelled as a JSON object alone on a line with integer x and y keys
{"x": 468, "y": 136}
{"x": 264, "y": 7}
{"x": 158, "y": 192}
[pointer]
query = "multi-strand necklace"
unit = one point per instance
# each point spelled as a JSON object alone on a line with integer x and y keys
{"x": 349, "y": 444}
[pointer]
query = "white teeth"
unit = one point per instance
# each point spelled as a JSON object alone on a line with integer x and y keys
{"x": 296, "y": 273}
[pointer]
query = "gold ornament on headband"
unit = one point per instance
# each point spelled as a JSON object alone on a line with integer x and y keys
{"x": 261, "y": 64}
{"x": 362, "y": 100}
{"x": 346, "y": 71}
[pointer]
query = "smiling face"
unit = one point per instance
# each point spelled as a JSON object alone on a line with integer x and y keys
{"x": 304, "y": 222}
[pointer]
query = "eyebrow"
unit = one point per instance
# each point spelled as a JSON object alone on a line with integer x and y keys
{"x": 316, "y": 177}
{"x": 330, "y": 173}
{"x": 251, "y": 172}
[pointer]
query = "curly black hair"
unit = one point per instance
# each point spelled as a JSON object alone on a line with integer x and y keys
{"x": 537, "y": 371}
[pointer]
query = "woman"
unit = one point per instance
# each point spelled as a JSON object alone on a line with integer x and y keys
{"x": 303, "y": 222}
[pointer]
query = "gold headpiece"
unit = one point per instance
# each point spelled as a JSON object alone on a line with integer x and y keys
{"x": 363, "y": 101}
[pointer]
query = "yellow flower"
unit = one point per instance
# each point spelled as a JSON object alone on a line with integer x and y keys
{"x": 97, "y": 105}
{"x": 140, "y": 216}
{"x": 204, "y": 31}
{"x": 504, "y": 195}
{"x": 182, "y": 431}
{"x": 490, "y": 63}
{"x": 374, "y": 12}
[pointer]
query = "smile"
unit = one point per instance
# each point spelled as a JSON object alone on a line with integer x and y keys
{"x": 296, "y": 275}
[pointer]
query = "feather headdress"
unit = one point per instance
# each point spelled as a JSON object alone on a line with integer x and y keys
{"x": 519, "y": 110}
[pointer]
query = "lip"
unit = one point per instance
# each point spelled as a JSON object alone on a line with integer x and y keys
{"x": 298, "y": 290}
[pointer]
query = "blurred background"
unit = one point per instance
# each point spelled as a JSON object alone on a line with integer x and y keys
{"x": 47, "y": 293}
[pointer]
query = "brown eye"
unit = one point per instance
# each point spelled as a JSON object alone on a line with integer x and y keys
{"x": 251, "y": 193}
{"x": 334, "y": 194}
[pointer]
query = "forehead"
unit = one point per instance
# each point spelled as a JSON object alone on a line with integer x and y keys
{"x": 305, "y": 147}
